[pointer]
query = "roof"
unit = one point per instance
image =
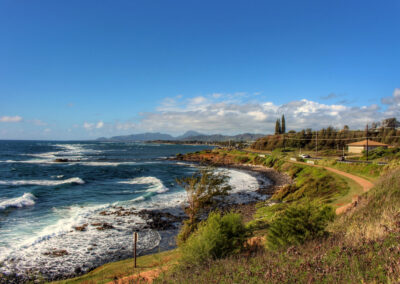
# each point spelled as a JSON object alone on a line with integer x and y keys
{"x": 370, "y": 143}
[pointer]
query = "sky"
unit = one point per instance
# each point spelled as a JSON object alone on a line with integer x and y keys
{"x": 82, "y": 69}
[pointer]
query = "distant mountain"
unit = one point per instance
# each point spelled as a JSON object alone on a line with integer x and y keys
{"x": 149, "y": 136}
{"x": 187, "y": 136}
{"x": 222, "y": 138}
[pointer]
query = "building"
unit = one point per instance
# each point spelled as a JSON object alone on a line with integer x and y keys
{"x": 358, "y": 147}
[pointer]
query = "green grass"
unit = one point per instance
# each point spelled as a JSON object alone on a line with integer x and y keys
{"x": 370, "y": 172}
{"x": 112, "y": 271}
{"x": 363, "y": 247}
{"x": 353, "y": 189}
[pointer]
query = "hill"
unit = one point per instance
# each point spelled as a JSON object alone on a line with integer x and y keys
{"x": 187, "y": 136}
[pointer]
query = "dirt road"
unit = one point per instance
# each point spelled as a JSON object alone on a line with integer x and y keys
{"x": 365, "y": 184}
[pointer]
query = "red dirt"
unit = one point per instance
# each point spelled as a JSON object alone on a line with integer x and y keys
{"x": 142, "y": 277}
{"x": 365, "y": 184}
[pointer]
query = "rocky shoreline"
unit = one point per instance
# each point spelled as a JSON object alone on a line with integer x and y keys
{"x": 167, "y": 222}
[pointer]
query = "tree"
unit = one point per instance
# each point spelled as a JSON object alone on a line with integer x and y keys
{"x": 390, "y": 123}
{"x": 283, "y": 124}
{"x": 346, "y": 128}
{"x": 201, "y": 189}
{"x": 278, "y": 129}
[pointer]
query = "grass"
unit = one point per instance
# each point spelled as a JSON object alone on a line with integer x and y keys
{"x": 353, "y": 189}
{"x": 363, "y": 247}
{"x": 370, "y": 172}
{"x": 114, "y": 270}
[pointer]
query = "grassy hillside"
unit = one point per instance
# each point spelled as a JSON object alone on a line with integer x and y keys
{"x": 360, "y": 246}
{"x": 363, "y": 247}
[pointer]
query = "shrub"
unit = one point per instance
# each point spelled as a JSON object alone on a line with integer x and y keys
{"x": 201, "y": 189}
{"x": 217, "y": 237}
{"x": 298, "y": 224}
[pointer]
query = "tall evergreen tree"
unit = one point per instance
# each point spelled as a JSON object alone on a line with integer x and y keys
{"x": 283, "y": 124}
{"x": 278, "y": 129}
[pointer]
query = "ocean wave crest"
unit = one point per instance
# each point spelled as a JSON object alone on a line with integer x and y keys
{"x": 75, "y": 180}
{"x": 28, "y": 199}
{"x": 156, "y": 185}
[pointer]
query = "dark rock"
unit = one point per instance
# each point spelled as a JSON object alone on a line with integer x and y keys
{"x": 105, "y": 226}
{"x": 56, "y": 253}
{"x": 59, "y": 160}
{"x": 81, "y": 228}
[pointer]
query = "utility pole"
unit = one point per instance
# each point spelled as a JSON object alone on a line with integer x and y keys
{"x": 284, "y": 146}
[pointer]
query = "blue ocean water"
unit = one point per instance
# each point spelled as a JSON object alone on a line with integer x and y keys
{"x": 42, "y": 201}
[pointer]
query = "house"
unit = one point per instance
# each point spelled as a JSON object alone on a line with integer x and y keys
{"x": 358, "y": 147}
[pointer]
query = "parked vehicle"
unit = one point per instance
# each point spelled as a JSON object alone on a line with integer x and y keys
{"x": 304, "y": 156}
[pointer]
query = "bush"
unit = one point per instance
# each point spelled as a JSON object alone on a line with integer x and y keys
{"x": 298, "y": 224}
{"x": 217, "y": 237}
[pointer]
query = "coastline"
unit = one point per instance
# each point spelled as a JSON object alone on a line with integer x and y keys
{"x": 167, "y": 225}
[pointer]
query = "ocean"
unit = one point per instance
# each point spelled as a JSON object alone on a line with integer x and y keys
{"x": 96, "y": 187}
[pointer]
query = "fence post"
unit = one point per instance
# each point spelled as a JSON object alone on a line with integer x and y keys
{"x": 135, "y": 237}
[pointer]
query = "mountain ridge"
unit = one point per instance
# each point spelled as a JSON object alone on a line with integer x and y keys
{"x": 190, "y": 135}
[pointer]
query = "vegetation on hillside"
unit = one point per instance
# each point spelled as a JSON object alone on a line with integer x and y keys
{"x": 217, "y": 237}
{"x": 327, "y": 138}
{"x": 202, "y": 189}
{"x": 363, "y": 247}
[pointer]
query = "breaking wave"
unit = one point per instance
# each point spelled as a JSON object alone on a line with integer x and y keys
{"x": 28, "y": 199}
{"x": 75, "y": 180}
{"x": 156, "y": 185}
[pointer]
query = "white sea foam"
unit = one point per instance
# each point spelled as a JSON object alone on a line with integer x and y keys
{"x": 86, "y": 249}
{"x": 28, "y": 199}
{"x": 156, "y": 185}
{"x": 104, "y": 164}
{"x": 244, "y": 187}
{"x": 75, "y": 180}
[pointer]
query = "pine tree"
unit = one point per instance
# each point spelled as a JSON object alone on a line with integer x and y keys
{"x": 278, "y": 129}
{"x": 283, "y": 126}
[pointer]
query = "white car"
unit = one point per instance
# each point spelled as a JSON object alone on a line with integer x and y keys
{"x": 304, "y": 156}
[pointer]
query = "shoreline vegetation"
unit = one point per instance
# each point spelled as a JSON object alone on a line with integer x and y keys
{"x": 324, "y": 249}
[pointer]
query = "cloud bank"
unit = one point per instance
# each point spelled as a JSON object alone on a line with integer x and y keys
{"x": 235, "y": 113}
{"x": 16, "y": 118}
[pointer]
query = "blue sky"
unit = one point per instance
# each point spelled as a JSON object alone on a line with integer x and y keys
{"x": 84, "y": 69}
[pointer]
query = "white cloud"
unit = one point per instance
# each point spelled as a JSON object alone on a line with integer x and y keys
{"x": 222, "y": 114}
{"x": 99, "y": 124}
{"x": 88, "y": 125}
{"x": 91, "y": 126}
{"x": 16, "y": 118}
{"x": 228, "y": 114}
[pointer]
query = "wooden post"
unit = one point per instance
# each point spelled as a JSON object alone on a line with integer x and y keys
{"x": 134, "y": 246}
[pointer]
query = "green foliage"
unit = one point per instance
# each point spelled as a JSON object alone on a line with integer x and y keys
{"x": 298, "y": 224}
{"x": 381, "y": 152}
{"x": 265, "y": 214}
{"x": 369, "y": 171}
{"x": 242, "y": 159}
{"x": 201, "y": 189}
{"x": 217, "y": 237}
{"x": 328, "y": 138}
{"x": 278, "y": 129}
{"x": 310, "y": 183}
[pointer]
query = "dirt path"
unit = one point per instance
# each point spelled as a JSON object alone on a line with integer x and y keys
{"x": 142, "y": 277}
{"x": 365, "y": 184}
